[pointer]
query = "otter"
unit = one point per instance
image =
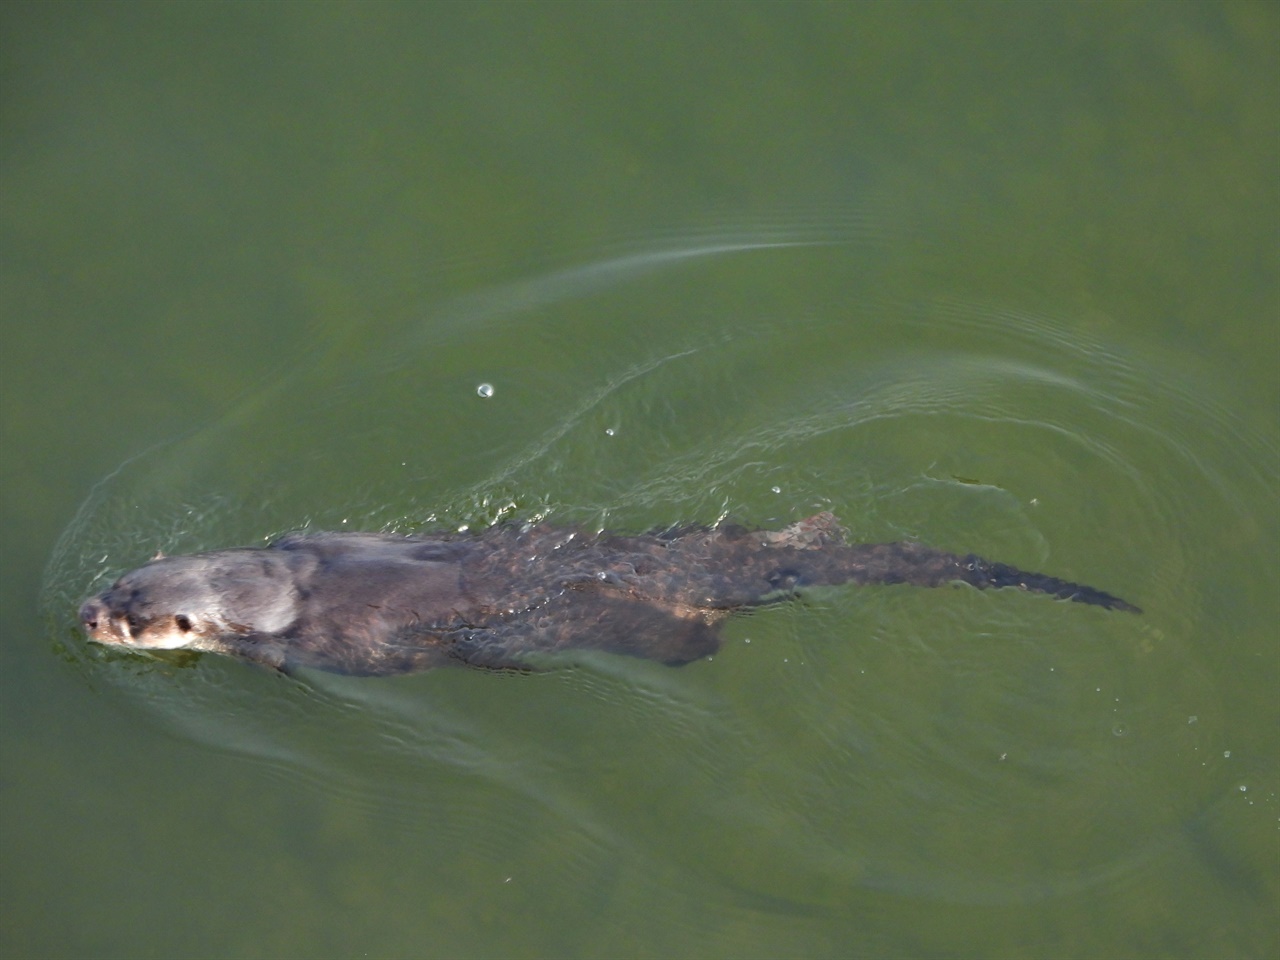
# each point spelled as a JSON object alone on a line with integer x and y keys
{"x": 376, "y": 604}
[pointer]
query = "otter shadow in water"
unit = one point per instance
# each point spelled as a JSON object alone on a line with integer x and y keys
{"x": 377, "y": 604}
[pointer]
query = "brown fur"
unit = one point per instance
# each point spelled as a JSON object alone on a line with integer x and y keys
{"x": 381, "y": 604}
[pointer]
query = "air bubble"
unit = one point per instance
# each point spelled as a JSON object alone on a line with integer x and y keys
{"x": 485, "y": 390}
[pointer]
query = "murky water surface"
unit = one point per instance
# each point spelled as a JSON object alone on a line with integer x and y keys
{"x": 996, "y": 310}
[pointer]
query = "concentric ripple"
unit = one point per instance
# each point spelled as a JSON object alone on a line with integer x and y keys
{"x": 949, "y": 745}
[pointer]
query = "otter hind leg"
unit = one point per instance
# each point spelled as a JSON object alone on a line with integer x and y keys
{"x": 639, "y": 629}
{"x": 601, "y": 620}
{"x": 592, "y": 620}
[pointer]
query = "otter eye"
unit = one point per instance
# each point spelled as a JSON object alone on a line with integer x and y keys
{"x": 133, "y": 623}
{"x": 183, "y": 622}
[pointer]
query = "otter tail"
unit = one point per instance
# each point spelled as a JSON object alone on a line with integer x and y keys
{"x": 813, "y": 551}
{"x": 923, "y": 566}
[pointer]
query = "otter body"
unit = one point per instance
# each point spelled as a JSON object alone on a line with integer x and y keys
{"x": 373, "y": 604}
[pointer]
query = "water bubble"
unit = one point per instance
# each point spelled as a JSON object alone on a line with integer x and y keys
{"x": 1119, "y": 730}
{"x": 485, "y": 390}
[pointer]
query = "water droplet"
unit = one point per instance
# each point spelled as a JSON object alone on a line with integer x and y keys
{"x": 485, "y": 390}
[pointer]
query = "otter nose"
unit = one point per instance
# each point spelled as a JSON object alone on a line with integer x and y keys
{"x": 91, "y": 612}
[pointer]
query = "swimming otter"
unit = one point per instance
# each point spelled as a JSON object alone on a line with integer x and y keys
{"x": 370, "y": 604}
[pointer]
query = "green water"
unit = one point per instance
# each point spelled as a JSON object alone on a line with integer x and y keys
{"x": 1002, "y": 278}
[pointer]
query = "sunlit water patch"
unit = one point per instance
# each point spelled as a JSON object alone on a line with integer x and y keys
{"x": 950, "y": 744}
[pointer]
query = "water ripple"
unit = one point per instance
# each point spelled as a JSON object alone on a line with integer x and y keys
{"x": 960, "y": 746}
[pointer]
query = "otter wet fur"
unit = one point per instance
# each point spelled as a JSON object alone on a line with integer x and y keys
{"x": 377, "y": 604}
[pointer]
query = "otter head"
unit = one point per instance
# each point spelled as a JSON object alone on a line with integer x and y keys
{"x": 201, "y": 602}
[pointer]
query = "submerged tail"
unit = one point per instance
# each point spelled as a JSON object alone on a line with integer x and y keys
{"x": 813, "y": 551}
{"x": 924, "y": 566}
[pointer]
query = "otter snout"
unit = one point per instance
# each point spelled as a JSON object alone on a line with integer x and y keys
{"x": 92, "y": 612}
{"x": 98, "y": 623}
